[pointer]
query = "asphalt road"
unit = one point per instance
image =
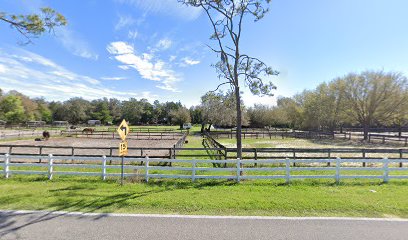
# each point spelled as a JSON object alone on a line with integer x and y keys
{"x": 46, "y": 225}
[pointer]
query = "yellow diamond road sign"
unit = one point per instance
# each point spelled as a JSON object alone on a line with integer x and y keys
{"x": 123, "y": 130}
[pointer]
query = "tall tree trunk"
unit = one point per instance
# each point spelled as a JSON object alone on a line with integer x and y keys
{"x": 366, "y": 128}
{"x": 399, "y": 130}
{"x": 239, "y": 122}
{"x": 202, "y": 127}
{"x": 209, "y": 127}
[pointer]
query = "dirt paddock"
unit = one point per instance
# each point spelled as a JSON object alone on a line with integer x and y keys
{"x": 73, "y": 145}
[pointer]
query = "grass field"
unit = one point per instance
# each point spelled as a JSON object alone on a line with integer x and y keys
{"x": 351, "y": 198}
{"x": 301, "y": 198}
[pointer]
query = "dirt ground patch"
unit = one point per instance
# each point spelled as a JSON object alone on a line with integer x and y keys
{"x": 70, "y": 143}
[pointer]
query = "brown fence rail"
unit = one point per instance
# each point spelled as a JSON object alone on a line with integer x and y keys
{"x": 132, "y": 135}
{"x": 383, "y": 138}
{"x": 281, "y": 134}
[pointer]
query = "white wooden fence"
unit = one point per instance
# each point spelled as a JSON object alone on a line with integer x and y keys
{"x": 201, "y": 169}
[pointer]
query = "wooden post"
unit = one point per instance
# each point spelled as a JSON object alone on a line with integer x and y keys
{"x": 364, "y": 156}
{"x": 72, "y": 153}
{"x": 174, "y": 154}
{"x": 386, "y": 170}
{"x": 256, "y": 156}
{"x": 103, "y": 167}
{"x": 110, "y": 155}
{"x": 337, "y": 170}
{"x": 238, "y": 169}
{"x": 40, "y": 153}
{"x": 400, "y": 155}
{"x": 6, "y": 167}
{"x": 287, "y": 171}
{"x": 50, "y": 166}
{"x": 193, "y": 171}
{"x": 147, "y": 169}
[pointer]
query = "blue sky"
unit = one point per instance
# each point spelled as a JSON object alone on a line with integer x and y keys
{"x": 156, "y": 49}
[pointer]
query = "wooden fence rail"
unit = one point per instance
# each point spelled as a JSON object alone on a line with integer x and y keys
{"x": 385, "y": 138}
{"x": 131, "y": 135}
{"x": 281, "y": 134}
{"x": 199, "y": 169}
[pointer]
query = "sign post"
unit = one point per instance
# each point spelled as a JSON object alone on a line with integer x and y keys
{"x": 123, "y": 131}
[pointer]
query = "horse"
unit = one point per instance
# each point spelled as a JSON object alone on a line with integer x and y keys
{"x": 46, "y": 135}
{"x": 88, "y": 130}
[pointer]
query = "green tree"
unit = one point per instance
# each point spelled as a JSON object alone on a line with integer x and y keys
{"x": 291, "y": 110}
{"x": 75, "y": 110}
{"x": 100, "y": 111}
{"x": 132, "y": 111}
{"x": 227, "y": 17}
{"x": 33, "y": 25}
{"x": 180, "y": 116}
{"x": 11, "y": 109}
{"x": 373, "y": 97}
{"x": 218, "y": 109}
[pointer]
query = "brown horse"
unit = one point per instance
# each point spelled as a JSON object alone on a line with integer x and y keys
{"x": 46, "y": 135}
{"x": 88, "y": 130}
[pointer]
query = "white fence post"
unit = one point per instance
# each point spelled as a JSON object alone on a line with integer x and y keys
{"x": 337, "y": 170}
{"x": 6, "y": 165}
{"x": 147, "y": 169}
{"x": 287, "y": 172}
{"x": 386, "y": 170}
{"x": 104, "y": 167}
{"x": 238, "y": 169}
{"x": 193, "y": 171}
{"x": 50, "y": 166}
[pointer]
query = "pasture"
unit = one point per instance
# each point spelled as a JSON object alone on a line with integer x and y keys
{"x": 352, "y": 198}
{"x": 302, "y": 197}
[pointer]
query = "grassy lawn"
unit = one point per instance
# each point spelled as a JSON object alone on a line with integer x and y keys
{"x": 271, "y": 198}
{"x": 351, "y": 198}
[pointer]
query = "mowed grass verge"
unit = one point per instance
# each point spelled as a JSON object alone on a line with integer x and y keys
{"x": 351, "y": 198}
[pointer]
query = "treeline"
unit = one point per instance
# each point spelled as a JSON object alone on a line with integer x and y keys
{"x": 368, "y": 99}
{"x": 17, "y": 108}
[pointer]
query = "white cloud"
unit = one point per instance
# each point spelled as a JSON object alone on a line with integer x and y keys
{"x": 172, "y": 58}
{"x": 250, "y": 99}
{"x": 167, "y": 7}
{"x": 2, "y": 68}
{"x": 124, "y": 21}
{"x": 132, "y": 34}
{"x": 119, "y": 48}
{"x": 75, "y": 44}
{"x": 190, "y": 61}
{"x": 164, "y": 44}
{"x": 145, "y": 64}
{"x": 113, "y": 78}
{"x": 37, "y": 76}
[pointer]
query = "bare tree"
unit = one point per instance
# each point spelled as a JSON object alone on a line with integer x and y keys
{"x": 226, "y": 17}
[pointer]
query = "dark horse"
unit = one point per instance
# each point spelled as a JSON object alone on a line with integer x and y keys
{"x": 46, "y": 135}
{"x": 88, "y": 130}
